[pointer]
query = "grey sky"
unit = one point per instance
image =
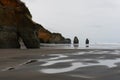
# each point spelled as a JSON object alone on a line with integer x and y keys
{"x": 98, "y": 20}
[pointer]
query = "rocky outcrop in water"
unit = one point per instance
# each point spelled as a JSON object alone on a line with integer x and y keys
{"x": 76, "y": 40}
{"x": 16, "y": 22}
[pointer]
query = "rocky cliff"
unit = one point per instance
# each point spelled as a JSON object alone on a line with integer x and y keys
{"x": 46, "y": 36}
{"x": 16, "y": 23}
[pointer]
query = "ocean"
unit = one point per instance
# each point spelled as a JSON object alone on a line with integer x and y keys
{"x": 81, "y": 46}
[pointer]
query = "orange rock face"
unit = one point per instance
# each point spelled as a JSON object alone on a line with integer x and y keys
{"x": 46, "y": 36}
{"x": 13, "y": 12}
{"x": 43, "y": 34}
{"x": 10, "y": 3}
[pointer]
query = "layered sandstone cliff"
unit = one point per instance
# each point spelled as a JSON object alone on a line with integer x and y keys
{"x": 16, "y": 23}
{"x": 46, "y": 36}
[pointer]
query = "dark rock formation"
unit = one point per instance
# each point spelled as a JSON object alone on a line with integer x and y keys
{"x": 67, "y": 41}
{"x": 46, "y": 36}
{"x": 76, "y": 40}
{"x": 87, "y": 42}
{"x": 16, "y": 22}
{"x": 56, "y": 38}
{"x": 8, "y": 37}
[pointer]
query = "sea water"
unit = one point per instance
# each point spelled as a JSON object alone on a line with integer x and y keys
{"x": 82, "y": 46}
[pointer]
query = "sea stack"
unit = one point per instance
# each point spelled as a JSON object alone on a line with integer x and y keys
{"x": 76, "y": 40}
{"x": 16, "y": 22}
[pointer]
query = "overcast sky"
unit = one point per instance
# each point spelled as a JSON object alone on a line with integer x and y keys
{"x": 98, "y": 20}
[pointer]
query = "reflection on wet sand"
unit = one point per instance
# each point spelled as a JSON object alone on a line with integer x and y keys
{"x": 63, "y": 64}
{"x": 79, "y": 63}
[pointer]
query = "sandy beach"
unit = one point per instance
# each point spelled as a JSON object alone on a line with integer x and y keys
{"x": 60, "y": 64}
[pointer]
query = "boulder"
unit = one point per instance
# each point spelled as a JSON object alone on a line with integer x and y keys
{"x": 16, "y": 22}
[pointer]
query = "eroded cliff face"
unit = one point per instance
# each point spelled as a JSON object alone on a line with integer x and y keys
{"x": 46, "y": 36}
{"x": 13, "y": 12}
{"x": 16, "y": 22}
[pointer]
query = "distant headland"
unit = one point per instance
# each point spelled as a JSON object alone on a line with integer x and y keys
{"x": 16, "y": 24}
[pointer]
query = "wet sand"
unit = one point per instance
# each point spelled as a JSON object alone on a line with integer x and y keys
{"x": 60, "y": 64}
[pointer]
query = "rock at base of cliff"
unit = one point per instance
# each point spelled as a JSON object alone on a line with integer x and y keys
{"x": 8, "y": 38}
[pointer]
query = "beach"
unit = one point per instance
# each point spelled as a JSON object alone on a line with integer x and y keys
{"x": 60, "y": 64}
